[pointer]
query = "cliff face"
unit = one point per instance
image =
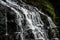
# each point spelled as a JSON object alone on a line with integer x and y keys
{"x": 21, "y": 21}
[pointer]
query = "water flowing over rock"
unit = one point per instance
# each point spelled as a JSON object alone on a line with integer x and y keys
{"x": 24, "y": 22}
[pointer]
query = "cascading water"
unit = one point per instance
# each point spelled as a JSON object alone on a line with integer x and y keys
{"x": 30, "y": 25}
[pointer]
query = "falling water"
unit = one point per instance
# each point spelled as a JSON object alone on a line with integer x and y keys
{"x": 33, "y": 21}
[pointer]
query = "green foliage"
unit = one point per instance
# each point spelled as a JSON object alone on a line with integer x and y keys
{"x": 53, "y": 33}
{"x": 48, "y": 7}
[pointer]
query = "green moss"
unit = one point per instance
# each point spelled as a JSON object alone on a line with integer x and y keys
{"x": 49, "y": 8}
{"x": 53, "y": 33}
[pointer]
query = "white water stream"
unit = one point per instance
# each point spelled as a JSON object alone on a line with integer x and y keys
{"x": 33, "y": 20}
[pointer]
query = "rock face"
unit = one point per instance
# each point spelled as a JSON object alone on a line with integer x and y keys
{"x": 20, "y": 21}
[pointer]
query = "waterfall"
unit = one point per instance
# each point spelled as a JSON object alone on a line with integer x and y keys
{"x": 33, "y": 21}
